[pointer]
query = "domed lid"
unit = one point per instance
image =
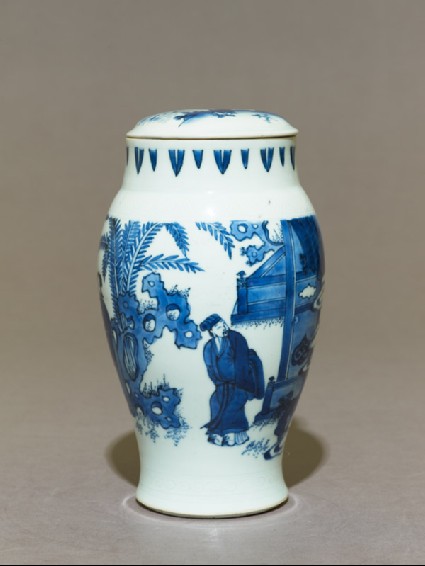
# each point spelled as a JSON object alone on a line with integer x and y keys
{"x": 213, "y": 124}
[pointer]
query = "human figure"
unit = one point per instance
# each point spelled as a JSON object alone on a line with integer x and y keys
{"x": 236, "y": 372}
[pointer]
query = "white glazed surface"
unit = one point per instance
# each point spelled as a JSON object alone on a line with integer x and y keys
{"x": 206, "y": 193}
{"x": 196, "y": 478}
{"x": 218, "y": 124}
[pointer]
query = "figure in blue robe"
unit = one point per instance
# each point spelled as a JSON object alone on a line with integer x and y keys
{"x": 236, "y": 372}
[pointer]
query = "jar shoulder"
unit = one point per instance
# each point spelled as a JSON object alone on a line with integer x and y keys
{"x": 214, "y": 206}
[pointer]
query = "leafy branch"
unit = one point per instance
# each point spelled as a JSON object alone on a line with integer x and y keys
{"x": 136, "y": 255}
{"x": 115, "y": 258}
{"x": 219, "y": 233}
{"x": 105, "y": 243}
{"x": 126, "y": 247}
{"x": 180, "y": 236}
{"x": 170, "y": 262}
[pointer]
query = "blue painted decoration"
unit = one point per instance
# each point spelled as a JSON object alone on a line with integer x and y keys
{"x": 138, "y": 158}
{"x": 288, "y": 274}
{"x": 153, "y": 154}
{"x": 198, "y": 154}
{"x": 163, "y": 117}
{"x": 267, "y": 116}
{"x": 160, "y": 404}
{"x": 176, "y": 158}
{"x": 289, "y": 305}
{"x": 188, "y": 116}
{"x": 293, "y": 156}
{"x": 283, "y": 416}
{"x": 220, "y": 234}
{"x": 243, "y": 230}
{"x": 159, "y": 411}
{"x": 245, "y": 157}
{"x": 284, "y": 284}
{"x": 267, "y": 157}
{"x": 133, "y": 326}
{"x": 261, "y": 295}
{"x": 238, "y": 377}
{"x": 304, "y": 276}
{"x": 222, "y": 159}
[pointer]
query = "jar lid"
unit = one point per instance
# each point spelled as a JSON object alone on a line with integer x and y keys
{"x": 212, "y": 124}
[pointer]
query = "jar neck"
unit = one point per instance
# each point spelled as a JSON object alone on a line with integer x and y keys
{"x": 203, "y": 165}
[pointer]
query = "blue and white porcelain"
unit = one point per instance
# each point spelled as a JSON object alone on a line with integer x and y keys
{"x": 211, "y": 274}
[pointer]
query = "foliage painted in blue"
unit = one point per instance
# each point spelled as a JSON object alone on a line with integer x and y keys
{"x": 133, "y": 326}
{"x": 104, "y": 245}
{"x": 293, "y": 156}
{"x": 220, "y": 234}
{"x": 185, "y": 117}
{"x": 156, "y": 118}
{"x": 267, "y": 116}
{"x": 282, "y": 155}
{"x": 286, "y": 285}
{"x": 106, "y": 322}
{"x": 172, "y": 262}
{"x": 176, "y": 158}
{"x": 191, "y": 115}
{"x": 198, "y": 154}
{"x": 126, "y": 252}
{"x": 245, "y": 157}
{"x": 267, "y": 157}
{"x": 222, "y": 159}
{"x": 138, "y": 158}
{"x": 257, "y": 448}
{"x": 179, "y": 235}
{"x": 136, "y": 327}
{"x": 153, "y": 154}
{"x": 238, "y": 377}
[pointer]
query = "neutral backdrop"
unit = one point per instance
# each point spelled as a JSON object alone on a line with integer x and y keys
{"x": 75, "y": 76}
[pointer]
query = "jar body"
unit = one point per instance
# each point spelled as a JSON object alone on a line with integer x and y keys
{"x": 211, "y": 272}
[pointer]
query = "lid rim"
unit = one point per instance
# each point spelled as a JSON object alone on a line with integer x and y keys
{"x": 235, "y": 138}
{"x": 211, "y": 124}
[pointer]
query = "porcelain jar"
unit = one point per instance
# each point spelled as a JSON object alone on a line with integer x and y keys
{"x": 211, "y": 276}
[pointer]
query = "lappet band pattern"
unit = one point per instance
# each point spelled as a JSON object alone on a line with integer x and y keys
{"x": 222, "y": 158}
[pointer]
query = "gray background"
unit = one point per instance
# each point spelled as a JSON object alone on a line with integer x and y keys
{"x": 75, "y": 76}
